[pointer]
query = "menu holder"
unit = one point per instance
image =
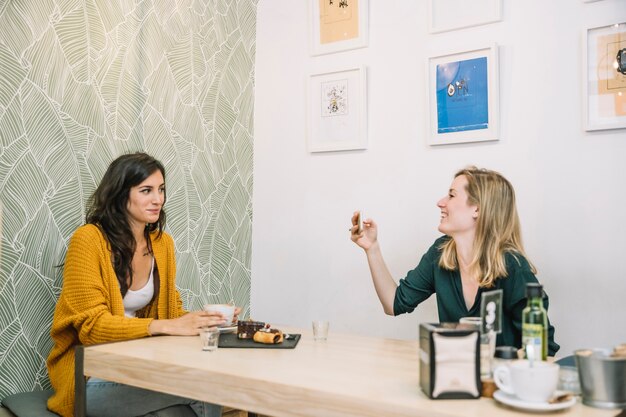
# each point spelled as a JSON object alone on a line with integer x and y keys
{"x": 449, "y": 361}
{"x": 230, "y": 340}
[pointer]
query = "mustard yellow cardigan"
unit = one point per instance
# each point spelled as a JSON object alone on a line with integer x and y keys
{"x": 90, "y": 309}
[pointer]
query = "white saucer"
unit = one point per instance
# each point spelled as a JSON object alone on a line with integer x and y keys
{"x": 230, "y": 329}
{"x": 513, "y": 401}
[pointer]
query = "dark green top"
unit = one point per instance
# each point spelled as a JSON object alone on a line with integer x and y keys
{"x": 429, "y": 278}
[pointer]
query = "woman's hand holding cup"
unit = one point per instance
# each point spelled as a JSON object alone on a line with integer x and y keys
{"x": 227, "y": 311}
{"x": 188, "y": 324}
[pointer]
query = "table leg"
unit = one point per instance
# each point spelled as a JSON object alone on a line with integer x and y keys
{"x": 80, "y": 390}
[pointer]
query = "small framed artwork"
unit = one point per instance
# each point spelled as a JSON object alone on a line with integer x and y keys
{"x": 338, "y": 25}
{"x": 445, "y": 15}
{"x": 604, "y": 77}
{"x": 491, "y": 311}
{"x": 337, "y": 117}
{"x": 463, "y": 96}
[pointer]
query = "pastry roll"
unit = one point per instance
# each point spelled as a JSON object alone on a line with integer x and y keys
{"x": 268, "y": 336}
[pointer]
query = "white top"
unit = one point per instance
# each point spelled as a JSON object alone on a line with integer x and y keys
{"x": 138, "y": 299}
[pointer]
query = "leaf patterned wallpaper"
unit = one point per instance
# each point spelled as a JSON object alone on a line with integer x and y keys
{"x": 82, "y": 81}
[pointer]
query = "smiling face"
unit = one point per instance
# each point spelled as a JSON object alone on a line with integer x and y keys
{"x": 458, "y": 217}
{"x": 146, "y": 200}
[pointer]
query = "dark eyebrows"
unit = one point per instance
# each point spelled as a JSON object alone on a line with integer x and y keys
{"x": 149, "y": 187}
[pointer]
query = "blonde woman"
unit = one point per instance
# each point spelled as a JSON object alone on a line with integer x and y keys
{"x": 481, "y": 250}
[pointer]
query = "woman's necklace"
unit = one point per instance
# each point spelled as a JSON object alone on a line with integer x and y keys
{"x": 144, "y": 251}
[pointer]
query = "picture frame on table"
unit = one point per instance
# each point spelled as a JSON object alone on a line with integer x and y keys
{"x": 446, "y": 15}
{"x": 337, "y": 110}
{"x": 604, "y": 77}
{"x": 338, "y": 25}
{"x": 464, "y": 96}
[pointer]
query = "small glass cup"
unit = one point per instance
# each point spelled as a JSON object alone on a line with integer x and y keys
{"x": 209, "y": 338}
{"x": 568, "y": 379}
{"x": 487, "y": 345}
{"x": 473, "y": 321}
{"x": 320, "y": 330}
{"x": 504, "y": 355}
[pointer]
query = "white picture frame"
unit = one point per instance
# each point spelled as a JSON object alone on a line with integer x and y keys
{"x": 334, "y": 28}
{"x": 446, "y": 15}
{"x": 604, "y": 86}
{"x": 464, "y": 96}
{"x": 337, "y": 110}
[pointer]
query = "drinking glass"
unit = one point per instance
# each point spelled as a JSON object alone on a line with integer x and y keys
{"x": 320, "y": 330}
{"x": 487, "y": 345}
{"x": 209, "y": 338}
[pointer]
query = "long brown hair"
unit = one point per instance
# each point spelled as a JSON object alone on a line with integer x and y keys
{"x": 107, "y": 209}
{"x": 497, "y": 227}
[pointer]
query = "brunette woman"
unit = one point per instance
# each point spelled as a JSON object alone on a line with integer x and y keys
{"x": 119, "y": 284}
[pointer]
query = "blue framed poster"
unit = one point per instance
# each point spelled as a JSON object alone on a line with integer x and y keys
{"x": 463, "y": 97}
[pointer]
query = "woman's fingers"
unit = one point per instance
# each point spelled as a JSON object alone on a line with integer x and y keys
{"x": 198, "y": 319}
{"x": 236, "y": 315}
{"x": 212, "y": 314}
{"x": 192, "y": 322}
{"x": 212, "y": 322}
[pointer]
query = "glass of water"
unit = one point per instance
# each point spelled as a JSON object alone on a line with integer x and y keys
{"x": 209, "y": 338}
{"x": 320, "y": 330}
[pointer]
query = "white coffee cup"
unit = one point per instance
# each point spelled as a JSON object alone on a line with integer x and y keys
{"x": 227, "y": 310}
{"x": 532, "y": 384}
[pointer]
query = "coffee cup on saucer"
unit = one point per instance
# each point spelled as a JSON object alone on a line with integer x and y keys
{"x": 532, "y": 382}
{"x": 227, "y": 310}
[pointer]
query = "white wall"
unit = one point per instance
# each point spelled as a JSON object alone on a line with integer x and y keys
{"x": 569, "y": 183}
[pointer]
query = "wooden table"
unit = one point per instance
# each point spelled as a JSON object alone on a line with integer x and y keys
{"x": 346, "y": 375}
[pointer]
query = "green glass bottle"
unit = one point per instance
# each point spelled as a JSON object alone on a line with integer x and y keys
{"x": 535, "y": 323}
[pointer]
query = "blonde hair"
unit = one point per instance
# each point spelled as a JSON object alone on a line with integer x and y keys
{"x": 497, "y": 227}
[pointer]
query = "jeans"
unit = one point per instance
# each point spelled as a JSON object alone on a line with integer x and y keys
{"x": 110, "y": 399}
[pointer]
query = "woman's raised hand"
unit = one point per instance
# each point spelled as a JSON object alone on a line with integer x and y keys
{"x": 368, "y": 236}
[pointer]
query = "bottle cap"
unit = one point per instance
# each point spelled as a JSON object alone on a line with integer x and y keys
{"x": 534, "y": 290}
{"x": 506, "y": 352}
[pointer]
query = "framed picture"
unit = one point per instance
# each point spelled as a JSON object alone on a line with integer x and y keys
{"x": 338, "y": 25}
{"x": 463, "y": 96}
{"x": 491, "y": 311}
{"x": 337, "y": 117}
{"x": 604, "y": 77}
{"x": 445, "y": 15}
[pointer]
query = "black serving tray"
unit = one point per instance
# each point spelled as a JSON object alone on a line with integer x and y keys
{"x": 230, "y": 340}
